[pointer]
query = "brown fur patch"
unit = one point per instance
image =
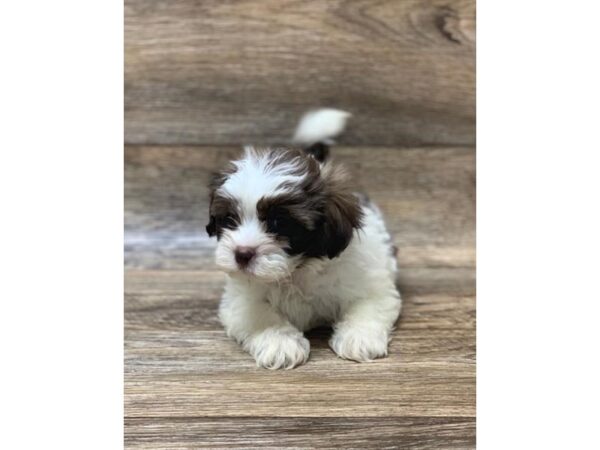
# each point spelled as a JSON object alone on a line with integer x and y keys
{"x": 323, "y": 203}
{"x": 299, "y": 206}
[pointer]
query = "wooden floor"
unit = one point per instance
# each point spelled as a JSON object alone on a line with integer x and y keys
{"x": 188, "y": 386}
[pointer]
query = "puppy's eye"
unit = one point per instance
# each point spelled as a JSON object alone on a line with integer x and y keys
{"x": 277, "y": 223}
{"x": 272, "y": 224}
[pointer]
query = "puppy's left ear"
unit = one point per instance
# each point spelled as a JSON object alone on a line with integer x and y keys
{"x": 319, "y": 151}
{"x": 342, "y": 216}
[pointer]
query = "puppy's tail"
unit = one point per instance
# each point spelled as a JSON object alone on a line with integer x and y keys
{"x": 317, "y": 129}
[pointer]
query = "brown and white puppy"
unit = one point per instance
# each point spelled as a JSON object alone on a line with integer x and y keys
{"x": 301, "y": 250}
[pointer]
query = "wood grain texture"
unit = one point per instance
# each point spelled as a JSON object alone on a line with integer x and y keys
{"x": 301, "y": 432}
{"x": 189, "y": 386}
{"x": 230, "y": 72}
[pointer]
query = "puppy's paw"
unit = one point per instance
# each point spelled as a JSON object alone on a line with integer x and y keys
{"x": 359, "y": 344}
{"x": 279, "y": 349}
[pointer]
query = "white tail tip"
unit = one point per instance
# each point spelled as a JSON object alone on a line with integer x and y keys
{"x": 321, "y": 125}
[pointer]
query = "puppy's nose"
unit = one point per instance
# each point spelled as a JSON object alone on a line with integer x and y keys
{"x": 243, "y": 255}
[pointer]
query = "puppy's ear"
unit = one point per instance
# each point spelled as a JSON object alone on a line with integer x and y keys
{"x": 319, "y": 151}
{"x": 216, "y": 181}
{"x": 342, "y": 214}
{"x": 211, "y": 228}
{"x": 342, "y": 217}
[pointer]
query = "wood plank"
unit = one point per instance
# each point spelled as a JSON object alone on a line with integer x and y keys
{"x": 189, "y": 352}
{"x": 215, "y": 72}
{"x": 426, "y": 194}
{"x": 301, "y": 432}
{"x": 435, "y": 390}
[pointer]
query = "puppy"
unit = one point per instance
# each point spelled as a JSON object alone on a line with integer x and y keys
{"x": 301, "y": 250}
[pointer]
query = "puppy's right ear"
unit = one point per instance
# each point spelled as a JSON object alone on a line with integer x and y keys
{"x": 211, "y": 228}
{"x": 216, "y": 181}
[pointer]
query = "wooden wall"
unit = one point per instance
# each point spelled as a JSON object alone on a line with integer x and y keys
{"x": 229, "y": 72}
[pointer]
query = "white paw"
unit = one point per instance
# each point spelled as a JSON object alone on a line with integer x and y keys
{"x": 279, "y": 348}
{"x": 359, "y": 344}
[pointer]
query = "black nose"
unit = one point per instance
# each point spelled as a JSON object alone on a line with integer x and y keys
{"x": 243, "y": 255}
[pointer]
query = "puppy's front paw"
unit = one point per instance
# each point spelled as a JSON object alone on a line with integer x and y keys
{"x": 279, "y": 349}
{"x": 359, "y": 344}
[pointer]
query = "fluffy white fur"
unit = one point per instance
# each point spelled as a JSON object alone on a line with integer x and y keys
{"x": 268, "y": 306}
{"x": 320, "y": 126}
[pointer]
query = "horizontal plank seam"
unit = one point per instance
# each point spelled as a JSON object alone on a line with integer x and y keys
{"x": 143, "y": 269}
{"x": 466, "y": 418}
{"x": 435, "y": 146}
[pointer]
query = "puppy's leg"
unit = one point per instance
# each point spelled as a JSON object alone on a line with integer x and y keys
{"x": 363, "y": 331}
{"x": 263, "y": 332}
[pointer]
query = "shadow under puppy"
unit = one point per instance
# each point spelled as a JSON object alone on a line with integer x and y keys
{"x": 302, "y": 250}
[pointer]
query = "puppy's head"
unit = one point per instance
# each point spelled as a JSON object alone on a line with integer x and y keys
{"x": 273, "y": 209}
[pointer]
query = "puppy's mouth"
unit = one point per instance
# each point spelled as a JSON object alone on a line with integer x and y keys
{"x": 250, "y": 273}
{"x": 253, "y": 270}
{"x": 247, "y": 270}
{"x": 236, "y": 269}
{"x": 266, "y": 268}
